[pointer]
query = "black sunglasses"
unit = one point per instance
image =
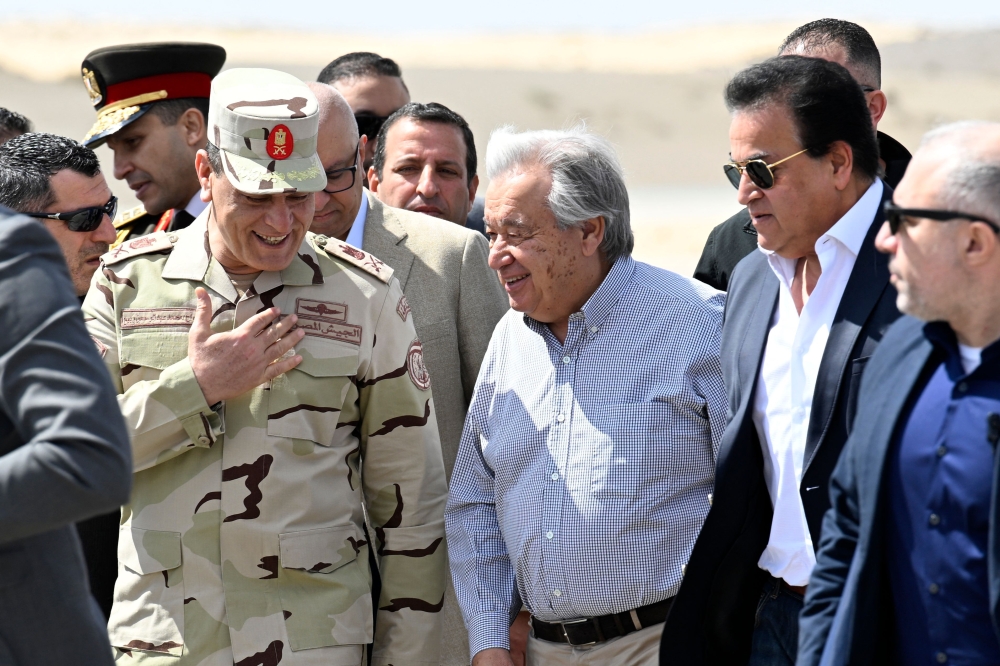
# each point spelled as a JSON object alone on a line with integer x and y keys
{"x": 338, "y": 180}
{"x": 894, "y": 216}
{"x": 759, "y": 171}
{"x": 369, "y": 124}
{"x": 84, "y": 219}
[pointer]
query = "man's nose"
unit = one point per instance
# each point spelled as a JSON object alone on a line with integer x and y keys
{"x": 748, "y": 190}
{"x": 279, "y": 215}
{"x": 105, "y": 232}
{"x": 427, "y": 186}
{"x": 886, "y": 241}
{"x": 123, "y": 166}
{"x": 499, "y": 256}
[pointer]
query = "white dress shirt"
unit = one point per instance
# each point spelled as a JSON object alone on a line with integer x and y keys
{"x": 357, "y": 233}
{"x": 196, "y": 205}
{"x": 785, "y": 386}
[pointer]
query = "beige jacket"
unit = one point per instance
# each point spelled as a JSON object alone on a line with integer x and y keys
{"x": 456, "y": 299}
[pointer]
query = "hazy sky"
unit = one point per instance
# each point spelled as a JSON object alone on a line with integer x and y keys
{"x": 540, "y": 15}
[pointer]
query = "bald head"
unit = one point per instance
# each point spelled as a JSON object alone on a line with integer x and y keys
{"x": 340, "y": 150}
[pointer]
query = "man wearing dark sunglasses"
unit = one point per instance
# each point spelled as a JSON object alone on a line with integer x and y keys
{"x": 373, "y": 86}
{"x": 59, "y": 182}
{"x": 846, "y": 44}
{"x": 802, "y": 316}
{"x": 908, "y": 567}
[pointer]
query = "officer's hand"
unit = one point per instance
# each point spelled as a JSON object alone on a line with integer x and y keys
{"x": 492, "y": 657}
{"x": 229, "y": 364}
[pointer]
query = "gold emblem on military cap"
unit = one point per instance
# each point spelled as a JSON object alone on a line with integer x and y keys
{"x": 94, "y": 90}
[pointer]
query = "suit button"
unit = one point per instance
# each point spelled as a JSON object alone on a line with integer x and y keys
{"x": 941, "y": 657}
{"x": 933, "y": 588}
{"x": 203, "y": 440}
{"x": 934, "y": 519}
{"x": 172, "y": 238}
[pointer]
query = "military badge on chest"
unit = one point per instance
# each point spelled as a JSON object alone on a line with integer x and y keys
{"x": 325, "y": 319}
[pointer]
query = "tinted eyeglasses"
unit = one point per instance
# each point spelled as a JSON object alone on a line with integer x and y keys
{"x": 759, "y": 171}
{"x": 369, "y": 124}
{"x": 338, "y": 180}
{"x": 894, "y": 216}
{"x": 84, "y": 219}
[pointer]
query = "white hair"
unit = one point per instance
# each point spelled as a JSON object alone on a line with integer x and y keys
{"x": 973, "y": 181}
{"x": 587, "y": 178}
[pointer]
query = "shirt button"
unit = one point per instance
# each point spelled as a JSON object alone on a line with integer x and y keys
{"x": 549, "y": 535}
{"x": 941, "y": 657}
{"x": 560, "y": 418}
{"x": 203, "y": 440}
{"x": 555, "y": 476}
{"x": 962, "y": 388}
{"x": 593, "y": 329}
{"x": 934, "y": 519}
{"x": 565, "y": 359}
{"x": 710, "y": 499}
{"x": 933, "y": 588}
{"x": 941, "y": 450}
{"x": 558, "y": 593}
{"x": 172, "y": 238}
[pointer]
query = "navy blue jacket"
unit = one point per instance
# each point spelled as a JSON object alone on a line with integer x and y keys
{"x": 848, "y": 614}
{"x": 713, "y": 614}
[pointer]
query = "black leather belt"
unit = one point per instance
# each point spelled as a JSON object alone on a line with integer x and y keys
{"x": 593, "y": 630}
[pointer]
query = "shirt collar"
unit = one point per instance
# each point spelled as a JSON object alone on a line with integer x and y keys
{"x": 942, "y": 336}
{"x": 191, "y": 259}
{"x": 356, "y": 236}
{"x": 195, "y": 207}
{"x": 606, "y": 297}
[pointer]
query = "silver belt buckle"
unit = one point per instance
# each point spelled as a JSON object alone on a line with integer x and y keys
{"x": 562, "y": 625}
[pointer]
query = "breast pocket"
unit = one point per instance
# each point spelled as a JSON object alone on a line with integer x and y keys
{"x": 324, "y": 589}
{"x": 148, "y": 613}
{"x": 144, "y": 352}
{"x": 635, "y": 449}
{"x": 306, "y": 402}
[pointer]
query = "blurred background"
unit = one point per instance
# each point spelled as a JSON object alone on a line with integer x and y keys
{"x": 648, "y": 75}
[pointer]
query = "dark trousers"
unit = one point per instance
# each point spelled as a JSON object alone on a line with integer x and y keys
{"x": 776, "y": 626}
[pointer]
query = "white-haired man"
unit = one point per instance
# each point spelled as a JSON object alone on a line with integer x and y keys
{"x": 908, "y": 569}
{"x": 586, "y": 463}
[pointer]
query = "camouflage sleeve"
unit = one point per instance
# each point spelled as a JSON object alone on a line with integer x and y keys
{"x": 405, "y": 490}
{"x": 165, "y": 410}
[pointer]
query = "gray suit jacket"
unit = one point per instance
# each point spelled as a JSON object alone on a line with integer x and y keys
{"x": 64, "y": 456}
{"x": 456, "y": 300}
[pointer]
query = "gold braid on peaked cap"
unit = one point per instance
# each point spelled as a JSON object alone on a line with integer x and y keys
{"x": 265, "y": 123}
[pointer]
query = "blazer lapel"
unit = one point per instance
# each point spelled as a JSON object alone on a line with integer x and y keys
{"x": 757, "y": 328}
{"x": 864, "y": 288}
{"x": 384, "y": 237}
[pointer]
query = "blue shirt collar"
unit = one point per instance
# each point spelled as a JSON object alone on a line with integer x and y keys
{"x": 356, "y": 236}
{"x": 941, "y": 335}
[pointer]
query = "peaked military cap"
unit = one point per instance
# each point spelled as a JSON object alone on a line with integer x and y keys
{"x": 124, "y": 81}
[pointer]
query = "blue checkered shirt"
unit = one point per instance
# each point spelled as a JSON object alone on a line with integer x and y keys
{"x": 584, "y": 470}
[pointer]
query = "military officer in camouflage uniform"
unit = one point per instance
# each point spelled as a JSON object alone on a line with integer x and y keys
{"x": 281, "y": 418}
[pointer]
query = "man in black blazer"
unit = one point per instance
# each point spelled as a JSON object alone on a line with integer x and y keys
{"x": 846, "y": 44}
{"x": 802, "y": 317}
{"x": 908, "y": 569}
{"x": 64, "y": 456}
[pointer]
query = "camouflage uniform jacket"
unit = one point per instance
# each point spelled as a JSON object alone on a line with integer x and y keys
{"x": 245, "y": 528}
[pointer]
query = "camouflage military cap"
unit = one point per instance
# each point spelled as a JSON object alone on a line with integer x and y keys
{"x": 265, "y": 123}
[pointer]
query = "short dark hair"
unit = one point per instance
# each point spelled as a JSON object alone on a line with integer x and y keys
{"x": 428, "y": 113}
{"x": 12, "y": 124}
{"x": 214, "y": 158}
{"x": 28, "y": 162}
{"x": 169, "y": 111}
{"x": 826, "y": 104}
{"x": 857, "y": 43}
{"x": 360, "y": 63}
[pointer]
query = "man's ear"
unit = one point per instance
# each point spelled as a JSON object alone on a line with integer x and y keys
{"x": 593, "y": 235}
{"x": 192, "y": 124}
{"x": 841, "y": 158}
{"x": 981, "y": 244}
{"x": 473, "y": 188}
{"x": 205, "y": 175}
{"x": 877, "y": 103}
{"x": 372, "y": 180}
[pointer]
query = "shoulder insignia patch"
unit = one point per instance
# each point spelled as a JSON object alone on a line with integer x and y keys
{"x": 416, "y": 368}
{"x": 156, "y": 242}
{"x": 403, "y": 307}
{"x": 369, "y": 263}
{"x": 130, "y": 215}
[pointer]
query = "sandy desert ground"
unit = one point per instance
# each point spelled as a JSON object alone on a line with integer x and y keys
{"x": 657, "y": 96}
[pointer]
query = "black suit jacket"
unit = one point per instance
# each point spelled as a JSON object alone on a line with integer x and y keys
{"x": 735, "y": 238}
{"x": 713, "y": 614}
{"x": 64, "y": 456}
{"x": 848, "y": 606}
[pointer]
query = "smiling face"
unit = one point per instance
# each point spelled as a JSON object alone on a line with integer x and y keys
{"x": 804, "y": 202}
{"x": 157, "y": 160}
{"x": 425, "y": 170}
{"x": 548, "y": 272}
{"x": 81, "y": 249}
{"x": 251, "y": 233}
